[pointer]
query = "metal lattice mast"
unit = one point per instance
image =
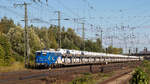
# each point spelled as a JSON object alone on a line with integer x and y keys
{"x": 26, "y": 37}
{"x": 59, "y": 29}
{"x": 83, "y": 36}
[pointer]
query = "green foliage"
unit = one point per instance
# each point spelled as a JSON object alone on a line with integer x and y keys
{"x": 86, "y": 79}
{"x": 146, "y": 63}
{"x": 2, "y": 54}
{"x": 142, "y": 74}
{"x": 6, "y": 24}
{"x": 43, "y": 34}
{"x": 35, "y": 43}
{"x": 6, "y": 46}
{"x": 16, "y": 38}
{"x": 70, "y": 40}
{"x": 139, "y": 77}
{"x": 52, "y": 37}
{"x": 113, "y": 50}
{"x": 17, "y": 57}
{"x": 146, "y": 66}
{"x": 93, "y": 46}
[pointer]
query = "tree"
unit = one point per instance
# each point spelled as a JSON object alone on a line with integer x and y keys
{"x": 6, "y": 24}
{"x": 2, "y": 54}
{"x": 89, "y": 45}
{"x": 16, "y": 38}
{"x": 70, "y": 39}
{"x": 52, "y": 39}
{"x": 99, "y": 45}
{"x": 110, "y": 49}
{"x": 4, "y": 42}
{"x": 35, "y": 43}
{"x": 43, "y": 34}
{"x": 68, "y": 44}
{"x": 115, "y": 50}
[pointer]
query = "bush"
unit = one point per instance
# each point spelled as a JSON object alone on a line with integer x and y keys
{"x": 139, "y": 77}
{"x": 5, "y": 44}
{"x": 17, "y": 57}
{"x": 86, "y": 79}
{"x": 2, "y": 54}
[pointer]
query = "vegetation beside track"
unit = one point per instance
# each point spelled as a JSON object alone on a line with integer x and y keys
{"x": 99, "y": 78}
{"x": 88, "y": 78}
{"x": 16, "y": 66}
{"x": 141, "y": 74}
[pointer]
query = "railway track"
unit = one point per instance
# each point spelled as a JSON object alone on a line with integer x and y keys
{"x": 116, "y": 77}
{"x": 59, "y": 73}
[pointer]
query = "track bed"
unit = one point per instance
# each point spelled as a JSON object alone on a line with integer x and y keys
{"x": 58, "y": 75}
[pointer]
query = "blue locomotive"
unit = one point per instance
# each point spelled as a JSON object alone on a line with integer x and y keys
{"x": 47, "y": 58}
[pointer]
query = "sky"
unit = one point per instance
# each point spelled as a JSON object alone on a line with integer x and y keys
{"x": 125, "y": 23}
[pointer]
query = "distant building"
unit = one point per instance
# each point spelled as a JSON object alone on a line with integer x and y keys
{"x": 145, "y": 51}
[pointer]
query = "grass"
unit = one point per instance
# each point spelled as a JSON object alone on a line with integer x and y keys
{"x": 89, "y": 78}
{"x": 104, "y": 76}
{"x": 16, "y": 66}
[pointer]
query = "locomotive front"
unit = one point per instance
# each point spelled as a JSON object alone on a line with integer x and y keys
{"x": 47, "y": 58}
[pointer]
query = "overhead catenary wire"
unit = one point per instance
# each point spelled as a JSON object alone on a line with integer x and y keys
{"x": 108, "y": 21}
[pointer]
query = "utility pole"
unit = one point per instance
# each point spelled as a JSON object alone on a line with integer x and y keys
{"x": 59, "y": 27}
{"x": 26, "y": 37}
{"x": 129, "y": 51}
{"x": 101, "y": 37}
{"x": 83, "y": 35}
{"x": 136, "y": 52}
{"x": 112, "y": 41}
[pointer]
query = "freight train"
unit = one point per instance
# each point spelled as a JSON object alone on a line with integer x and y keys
{"x": 51, "y": 58}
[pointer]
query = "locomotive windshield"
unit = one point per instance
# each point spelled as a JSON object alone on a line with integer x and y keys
{"x": 40, "y": 53}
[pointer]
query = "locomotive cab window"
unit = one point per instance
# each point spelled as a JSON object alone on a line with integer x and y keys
{"x": 38, "y": 53}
